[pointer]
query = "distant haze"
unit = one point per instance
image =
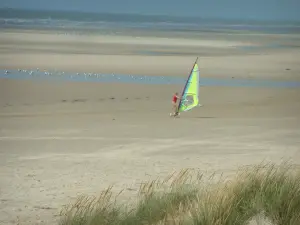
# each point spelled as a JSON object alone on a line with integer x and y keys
{"x": 276, "y": 10}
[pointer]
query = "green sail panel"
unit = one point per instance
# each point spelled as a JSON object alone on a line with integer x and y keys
{"x": 190, "y": 95}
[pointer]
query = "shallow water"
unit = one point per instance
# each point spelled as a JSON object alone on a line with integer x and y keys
{"x": 140, "y": 79}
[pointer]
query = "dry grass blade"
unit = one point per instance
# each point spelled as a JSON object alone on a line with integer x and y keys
{"x": 268, "y": 190}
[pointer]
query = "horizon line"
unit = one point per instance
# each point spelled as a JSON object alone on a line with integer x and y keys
{"x": 212, "y": 18}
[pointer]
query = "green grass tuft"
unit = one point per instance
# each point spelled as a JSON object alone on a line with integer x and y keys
{"x": 187, "y": 199}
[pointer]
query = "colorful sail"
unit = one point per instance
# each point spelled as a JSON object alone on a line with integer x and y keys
{"x": 190, "y": 95}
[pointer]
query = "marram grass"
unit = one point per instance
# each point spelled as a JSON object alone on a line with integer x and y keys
{"x": 186, "y": 199}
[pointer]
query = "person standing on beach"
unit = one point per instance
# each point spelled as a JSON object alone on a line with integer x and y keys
{"x": 174, "y": 104}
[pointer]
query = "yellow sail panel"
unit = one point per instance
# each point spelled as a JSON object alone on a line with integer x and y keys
{"x": 190, "y": 96}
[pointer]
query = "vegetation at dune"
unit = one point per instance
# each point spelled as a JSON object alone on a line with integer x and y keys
{"x": 187, "y": 198}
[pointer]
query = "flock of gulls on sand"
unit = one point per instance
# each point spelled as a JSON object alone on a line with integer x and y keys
{"x": 37, "y": 73}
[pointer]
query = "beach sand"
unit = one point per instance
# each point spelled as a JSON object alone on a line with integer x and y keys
{"x": 62, "y": 139}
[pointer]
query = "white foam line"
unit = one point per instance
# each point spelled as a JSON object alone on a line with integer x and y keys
{"x": 15, "y": 138}
{"x": 50, "y": 138}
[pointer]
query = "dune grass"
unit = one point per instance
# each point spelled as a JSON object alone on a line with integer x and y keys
{"x": 188, "y": 199}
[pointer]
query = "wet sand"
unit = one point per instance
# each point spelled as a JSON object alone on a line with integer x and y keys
{"x": 62, "y": 139}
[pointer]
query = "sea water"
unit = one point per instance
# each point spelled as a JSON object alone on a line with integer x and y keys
{"x": 139, "y": 79}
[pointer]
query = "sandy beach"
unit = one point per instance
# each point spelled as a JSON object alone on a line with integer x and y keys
{"x": 62, "y": 139}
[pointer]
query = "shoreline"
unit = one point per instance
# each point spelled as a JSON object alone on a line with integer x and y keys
{"x": 221, "y": 57}
{"x": 143, "y": 79}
